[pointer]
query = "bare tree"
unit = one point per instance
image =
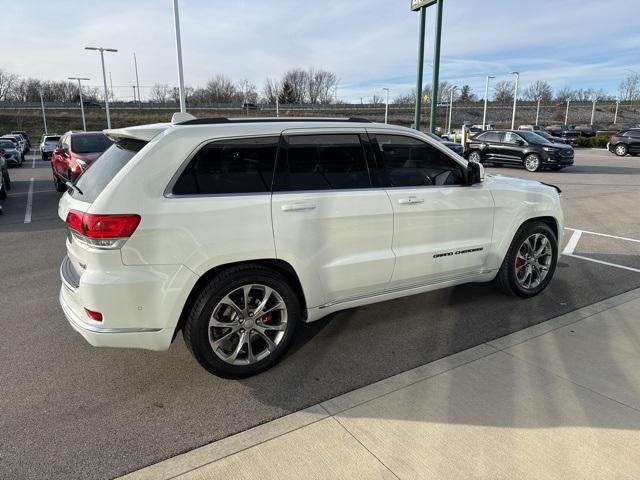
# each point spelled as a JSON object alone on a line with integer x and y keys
{"x": 376, "y": 100}
{"x": 221, "y": 90}
{"x": 503, "y": 91}
{"x": 247, "y": 92}
{"x": 297, "y": 81}
{"x": 629, "y": 89}
{"x": 405, "y": 99}
{"x": 564, "y": 94}
{"x": 160, "y": 93}
{"x": 271, "y": 90}
{"x": 319, "y": 86}
{"x": 467, "y": 95}
{"x": 7, "y": 82}
{"x": 540, "y": 89}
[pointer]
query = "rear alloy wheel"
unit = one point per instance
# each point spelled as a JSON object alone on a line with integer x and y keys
{"x": 530, "y": 261}
{"x": 621, "y": 150}
{"x": 242, "y": 322}
{"x": 475, "y": 156}
{"x": 532, "y": 162}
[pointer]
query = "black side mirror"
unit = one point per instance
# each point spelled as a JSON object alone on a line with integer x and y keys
{"x": 1, "y": 152}
{"x": 520, "y": 142}
{"x": 475, "y": 173}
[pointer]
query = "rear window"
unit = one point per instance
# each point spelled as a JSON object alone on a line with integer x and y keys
{"x": 90, "y": 143}
{"x": 102, "y": 171}
{"x": 51, "y": 139}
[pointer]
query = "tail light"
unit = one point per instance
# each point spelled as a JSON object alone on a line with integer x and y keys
{"x": 97, "y": 316}
{"x": 102, "y": 231}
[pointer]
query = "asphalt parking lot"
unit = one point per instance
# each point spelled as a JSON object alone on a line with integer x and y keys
{"x": 73, "y": 411}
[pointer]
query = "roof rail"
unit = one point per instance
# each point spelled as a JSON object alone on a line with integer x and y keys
{"x": 214, "y": 120}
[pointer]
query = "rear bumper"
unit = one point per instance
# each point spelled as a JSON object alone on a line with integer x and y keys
{"x": 148, "y": 339}
{"x": 140, "y": 305}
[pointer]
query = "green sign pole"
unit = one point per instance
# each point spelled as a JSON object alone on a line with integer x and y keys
{"x": 436, "y": 69}
{"x": 416, "y": 121}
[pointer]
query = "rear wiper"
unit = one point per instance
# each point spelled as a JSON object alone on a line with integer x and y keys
{"x": 73, "y": 187}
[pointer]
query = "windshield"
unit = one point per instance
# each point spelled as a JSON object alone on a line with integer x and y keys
{"x": 6, "y": 144}
{"x": 533, "y": 137}
{"x": 102, "y": 171}
{"x": 434, "y": 136}
{"x": 91, "y": 143}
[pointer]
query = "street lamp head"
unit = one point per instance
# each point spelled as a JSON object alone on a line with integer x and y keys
{"x": 91, "y": 48}
{"x": 491, "y": 76}
{"x": 110, "y": 50}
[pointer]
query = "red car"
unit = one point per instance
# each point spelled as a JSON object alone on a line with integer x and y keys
{"x": 73, "y": 155}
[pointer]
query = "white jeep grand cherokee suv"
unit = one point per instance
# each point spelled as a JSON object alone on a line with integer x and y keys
{"x": 234, "y": 231}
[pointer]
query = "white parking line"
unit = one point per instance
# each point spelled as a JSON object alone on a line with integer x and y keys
{"x": 27, "y": 213}
{"x": 573, "y": 242}
{"x": 602, "y": 262}
{"x": 575, "y": 238}
{"x": 33, "y": 163}
{"x": 604, "y": 235}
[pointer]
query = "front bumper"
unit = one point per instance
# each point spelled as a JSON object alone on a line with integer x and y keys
{"x": 555, "y": 158}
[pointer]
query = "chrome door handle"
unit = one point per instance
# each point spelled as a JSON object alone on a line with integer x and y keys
{"x": 297, "y": 206}
{"x": 410, "y": 200}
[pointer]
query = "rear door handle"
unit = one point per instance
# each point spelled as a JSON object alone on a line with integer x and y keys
{"x": 410, "y": 200}
{"x": 297, "y": 206}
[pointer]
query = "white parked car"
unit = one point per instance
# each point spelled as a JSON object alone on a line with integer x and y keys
{"x": 48, "y": 145}
{"x": 235, "y": 231}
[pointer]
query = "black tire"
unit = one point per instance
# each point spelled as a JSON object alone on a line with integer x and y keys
{"x": 621, "y": 149}
{"x": 475, "y": 156}
{"x": 532, "y": 162}
{"x": 555, "y": 167}
{"x": 195, "y": 331}
{"x": 3, "y": 188}
{"x": 497, "y": 164}
{"x": 506, "y": 277}
{"x": 60, "y": 186}
{"x": 7, "y": 179}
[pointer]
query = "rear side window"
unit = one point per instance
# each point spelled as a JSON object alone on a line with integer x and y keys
{"x": 243, "y": 165}
{"x": 321, "y": 162}
{"x": 101, "y": 172}
{"x": 490, "y": 136}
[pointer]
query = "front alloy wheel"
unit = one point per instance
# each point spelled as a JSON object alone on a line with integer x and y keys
{"x": 532, "y": 162}
{"x": 621, "y": 150}
{"x": 530, "y": 262}
{"x": 475, "y": 156}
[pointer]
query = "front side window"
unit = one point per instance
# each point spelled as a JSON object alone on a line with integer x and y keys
{"x": 243, "y": 165}
{"x": 408, "y": 162}
{"x": 511, "y": 138}
{"x": 321, "y": 162}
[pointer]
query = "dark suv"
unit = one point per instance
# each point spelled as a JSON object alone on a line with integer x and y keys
{"x": 519, "y": 147}
{"x": 625, "y": 141}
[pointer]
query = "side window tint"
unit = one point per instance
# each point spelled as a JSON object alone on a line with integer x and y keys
{"x": 492, "y": 137}
{"x": 321, "y": 162}
{"x": 230, "y": 166}
{"x": 511, "y": 138}
{"x": 412, "y": 163}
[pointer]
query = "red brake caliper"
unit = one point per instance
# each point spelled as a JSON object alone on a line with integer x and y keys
{"x": 267, "y": 319}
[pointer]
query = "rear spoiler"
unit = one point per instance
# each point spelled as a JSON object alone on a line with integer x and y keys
{"x": 140, "y": 132}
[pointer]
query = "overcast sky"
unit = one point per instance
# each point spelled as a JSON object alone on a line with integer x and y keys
{"x": 368, "y": 44}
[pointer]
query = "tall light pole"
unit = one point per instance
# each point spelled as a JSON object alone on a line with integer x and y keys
{"x": 44, "y": 117}
{"x": 538, "y": 111}
{"x": 134, "y": 94}
{"x": 615, "y": 115}
{"x": 515, "y": 100}
{"x": 135, "y": 64}
{"x": 386, "y": 105}
{"x": 111, "y": 87}
{"x": 566, "y": 113}
{"x": 84, "y": 124}
{"x": 486, "y": 96}
{"x": 176, "y": 21}
{"x": 593, "y": 109}
{"x": 104, "y": 79}
{"x": 453, "y": 89}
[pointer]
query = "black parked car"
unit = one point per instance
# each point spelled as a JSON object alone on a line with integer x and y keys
{"x": 553, "y": 139}
{"x": 588, "y": 130}
{"x": 519, "y": 147}
{"x": 456, "y": 147}
{"x": 625, "y": 141}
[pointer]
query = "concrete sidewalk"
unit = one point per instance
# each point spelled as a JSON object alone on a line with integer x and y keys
{"x": 558, "y": 400}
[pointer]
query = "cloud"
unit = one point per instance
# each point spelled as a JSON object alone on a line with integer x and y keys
{"x": 367, "y": 44}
